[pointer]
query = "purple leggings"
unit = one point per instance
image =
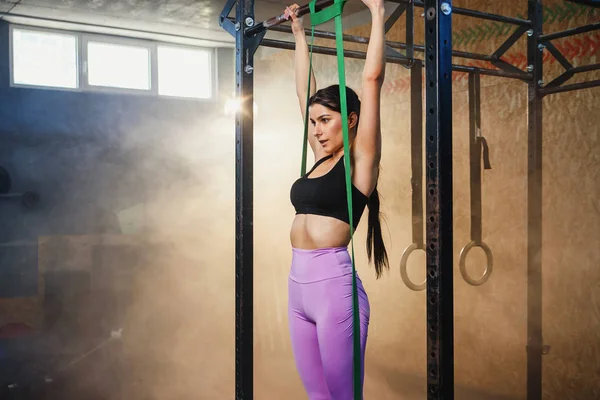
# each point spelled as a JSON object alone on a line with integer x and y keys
{"x": 320, "y": 321}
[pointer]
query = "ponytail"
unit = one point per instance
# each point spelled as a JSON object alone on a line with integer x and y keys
{"x": 375, "y": 244}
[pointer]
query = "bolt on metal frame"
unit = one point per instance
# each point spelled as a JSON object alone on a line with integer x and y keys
{"x": 438, "y": 65}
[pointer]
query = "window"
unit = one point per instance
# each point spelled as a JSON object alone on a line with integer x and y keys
{"x": 118, "y": 66}
{"x": 44, "y": 59}
{"x": 184, "y": 72}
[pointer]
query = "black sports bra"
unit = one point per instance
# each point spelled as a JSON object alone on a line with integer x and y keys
{"x": 326, "y": 195}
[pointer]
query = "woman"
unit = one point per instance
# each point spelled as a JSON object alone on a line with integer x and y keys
{"x": 320, "y": 280}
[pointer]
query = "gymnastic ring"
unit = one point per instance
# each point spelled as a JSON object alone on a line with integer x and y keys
{"x": 403, "y": 261}
{"x": 488, "y": 268}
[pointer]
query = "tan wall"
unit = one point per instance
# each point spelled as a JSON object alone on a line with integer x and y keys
{"x": 490, "y": 320}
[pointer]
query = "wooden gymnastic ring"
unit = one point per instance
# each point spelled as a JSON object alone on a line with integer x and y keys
{"x": 403, "y": 261}
{"x": 488, "y": 268}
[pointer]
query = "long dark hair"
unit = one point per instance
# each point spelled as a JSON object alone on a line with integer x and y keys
{"x": 330, "y": 98}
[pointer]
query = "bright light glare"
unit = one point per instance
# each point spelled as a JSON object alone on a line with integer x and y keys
{"x": 119, "y": 66}
{"x": 184, "y": 72}
{"x": 234, "y": 105}
{"x": 44, "y": 59}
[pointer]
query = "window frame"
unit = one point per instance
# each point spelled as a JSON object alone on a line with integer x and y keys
{"x": 82, "y": 40}
{"x": 11, "y": 58}
{"x": 212, "y": 54}
{"x": 83, "y": 72}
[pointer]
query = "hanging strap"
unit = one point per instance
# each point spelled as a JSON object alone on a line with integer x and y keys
{"x": 416, "y": 179}
{"x": 317, "y": 18}
{"x": 478, "y": 148}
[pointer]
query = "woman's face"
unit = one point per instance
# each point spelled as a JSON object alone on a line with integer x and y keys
{"x": 328, "y": 127}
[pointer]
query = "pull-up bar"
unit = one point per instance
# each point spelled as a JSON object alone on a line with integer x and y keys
{"x": 280, "y": 19}
{"x": 570, "y": 32}
{"x": 396, "y": 59}
{"x": 393, "y": 44}
{"x": 361, "y": 55}
{"x": 303, "y": 10}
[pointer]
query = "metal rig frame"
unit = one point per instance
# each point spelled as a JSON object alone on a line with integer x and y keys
{"x": 438, "y": 166}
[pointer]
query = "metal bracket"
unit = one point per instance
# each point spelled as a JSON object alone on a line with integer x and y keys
{"x": 512, "y": 39}
{"x": 565, "y": 76}
{"x": 256, "y": 40}
{"x": 225, "y": 22}
{"x": 394, "y": 17}
{"x": 390, "y": 52}
{"x": 233, "y": 27}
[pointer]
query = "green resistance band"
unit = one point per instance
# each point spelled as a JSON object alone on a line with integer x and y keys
{"x": 317, "y": 18}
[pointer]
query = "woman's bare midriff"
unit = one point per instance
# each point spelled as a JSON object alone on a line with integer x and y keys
{"x": 311, "y": 232}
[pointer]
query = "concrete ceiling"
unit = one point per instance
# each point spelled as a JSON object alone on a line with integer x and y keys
{"x": 190, "y": 18}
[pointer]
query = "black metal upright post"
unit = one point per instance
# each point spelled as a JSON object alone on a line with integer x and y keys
{"x": 247, "y": 41}
{"x": 244, "y": 235}
{"x": 438, "y": 151}
{"x": 534, "y": 206}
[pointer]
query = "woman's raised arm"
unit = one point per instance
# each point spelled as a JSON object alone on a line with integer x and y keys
{"x": 301, "y": 67}
{"x": 367, "y": 146}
